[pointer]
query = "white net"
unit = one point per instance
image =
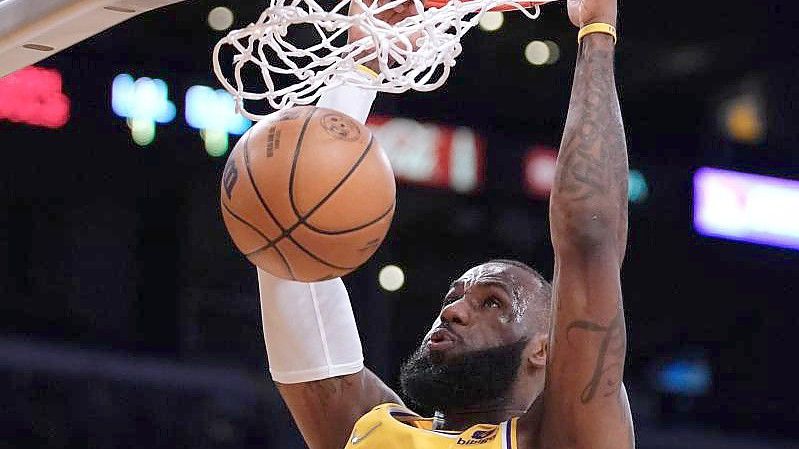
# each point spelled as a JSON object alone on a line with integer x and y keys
{"x": 416, "y": 52}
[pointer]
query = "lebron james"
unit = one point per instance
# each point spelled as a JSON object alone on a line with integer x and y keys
{"x": 512, "y": 361}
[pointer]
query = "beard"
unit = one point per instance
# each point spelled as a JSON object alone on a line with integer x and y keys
{"x": 474, "y": 378}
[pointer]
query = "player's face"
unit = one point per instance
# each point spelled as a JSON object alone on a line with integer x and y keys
{"x": 484, "y": 308}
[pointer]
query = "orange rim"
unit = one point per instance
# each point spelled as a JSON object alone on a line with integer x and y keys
{"x": 531, "y": 4}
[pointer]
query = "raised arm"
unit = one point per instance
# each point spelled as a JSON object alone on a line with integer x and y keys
{"x": 311, "y": 337}
{"x": 584, "y": 402}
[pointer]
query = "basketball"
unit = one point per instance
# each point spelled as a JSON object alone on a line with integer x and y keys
{"x": 307, "y": 194}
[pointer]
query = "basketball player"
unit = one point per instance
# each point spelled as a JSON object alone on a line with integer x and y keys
{"x": 511, "y": 362}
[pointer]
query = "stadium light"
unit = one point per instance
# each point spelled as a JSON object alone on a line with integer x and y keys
{"x": 746, "y": 207}
{"x": 143, "y": 102}
{"x": 220, "y": 18}
{"x": 536, "y": 53}
{"x": 492, "y": 21}
{"x": 684, "y": 377}
{"x": 554, "y": 52}
{"x": 637, "y": 187}
{"x": 34, "y": 96}
{"x": 539, "y": 170}
{"x": 391, "y": 278}
{"x": 213, "y": 112}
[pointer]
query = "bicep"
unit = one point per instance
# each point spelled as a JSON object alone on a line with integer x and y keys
{"x": 326, "y": 410}
{"x": 584, "y": 401}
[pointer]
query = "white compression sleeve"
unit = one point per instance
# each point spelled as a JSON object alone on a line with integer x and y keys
{"x": 309, "y": 328}
{"x": 351, "y": 100}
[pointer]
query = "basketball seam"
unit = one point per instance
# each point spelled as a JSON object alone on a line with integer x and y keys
{"x": 270, "y": 244}
{"x": 251, "y": 226}
{"x": 293, "y": 174}
{"x": 357, "y": 228}
{"x": 255, "y": 186}
{"x": 284, "y": 234}
{"x": 301, "y": 219}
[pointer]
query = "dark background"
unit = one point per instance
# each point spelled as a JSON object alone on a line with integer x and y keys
{"x": 128, "y": 318}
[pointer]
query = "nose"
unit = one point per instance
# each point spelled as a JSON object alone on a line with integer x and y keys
{"x": 457, "y": 312}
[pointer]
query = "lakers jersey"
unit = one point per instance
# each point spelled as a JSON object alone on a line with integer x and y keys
{"x": 391, "y": 426}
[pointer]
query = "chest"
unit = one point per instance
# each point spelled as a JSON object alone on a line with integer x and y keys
{"x": 384, "y": 431}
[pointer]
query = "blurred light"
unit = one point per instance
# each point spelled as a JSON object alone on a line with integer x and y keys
{"x": 391, "y": 278}
{"x": 492, "y": 21}
{"x": 537, "y": 53}
{"x": 143, "y": 98}
{"x": 539, "y": 171}
{"x": 688, "y": 60}
{"x": 142, "y": 131}
{"x": 637, "y": 187}
{"x": 746, "y": 207}
{"x": 554, "y": 52}
{"x": 685, "y": 377}
{"x": 216, "y": 142}
{"x": 464, "y": 160}
{"x": 143, "y": 102}
{"x": 431, "y": 155}
{"x": 743, "y": 120}
{"x": 220, "y": 18}
{"x": 33, "y": 96}
{"x": 213, "y": 112}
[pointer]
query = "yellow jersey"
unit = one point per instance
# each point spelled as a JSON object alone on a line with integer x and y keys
{"x": 392, "y": 426}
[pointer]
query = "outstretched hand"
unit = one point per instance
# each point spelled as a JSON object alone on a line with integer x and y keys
{"x": 391, "y": 17}
{"x": 586, "y": 12}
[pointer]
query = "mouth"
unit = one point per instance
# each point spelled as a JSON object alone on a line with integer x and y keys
{"x": 441, "y": 339}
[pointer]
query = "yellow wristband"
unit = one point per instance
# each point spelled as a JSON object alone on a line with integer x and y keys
{"x": 366, "y": 70}
{"x": 598, "y": 27}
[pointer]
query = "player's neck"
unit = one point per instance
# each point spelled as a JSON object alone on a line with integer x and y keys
{"x": 465, "y": 418}
{"x": 516, "y": 403}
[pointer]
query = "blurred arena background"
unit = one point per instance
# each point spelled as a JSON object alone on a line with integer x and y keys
{"x": 129, "y": 319}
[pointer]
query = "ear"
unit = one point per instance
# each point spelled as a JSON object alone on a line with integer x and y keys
{"x": 537, "y": 350}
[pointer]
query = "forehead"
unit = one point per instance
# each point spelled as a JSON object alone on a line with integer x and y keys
{"x": 518, "y": 282}
{"x": 491, "y": 273}
{"x": 487, "y": 272}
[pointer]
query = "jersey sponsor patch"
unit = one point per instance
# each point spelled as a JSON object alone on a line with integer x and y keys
{"x": 479, "y": 437}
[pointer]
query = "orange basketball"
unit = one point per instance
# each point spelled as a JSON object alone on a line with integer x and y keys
{"x": 308, "y": 194}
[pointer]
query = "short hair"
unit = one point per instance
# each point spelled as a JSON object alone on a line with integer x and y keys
{"x": 543, "y": 295}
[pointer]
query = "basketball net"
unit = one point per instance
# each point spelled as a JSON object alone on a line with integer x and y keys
{"x": 416, "y": 53}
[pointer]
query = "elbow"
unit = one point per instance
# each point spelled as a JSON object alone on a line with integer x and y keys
{"x": 585, "y": 228}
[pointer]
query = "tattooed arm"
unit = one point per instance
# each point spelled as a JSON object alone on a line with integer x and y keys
{"x": 326, "y": 410}
{"x": 584, "y": 402}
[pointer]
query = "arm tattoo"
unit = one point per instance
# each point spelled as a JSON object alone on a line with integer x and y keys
{"x": 609, "y": 364}
{"x": 593, "y": 158}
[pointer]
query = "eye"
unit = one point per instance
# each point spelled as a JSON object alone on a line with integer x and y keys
{"x": 492, "y": 303}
